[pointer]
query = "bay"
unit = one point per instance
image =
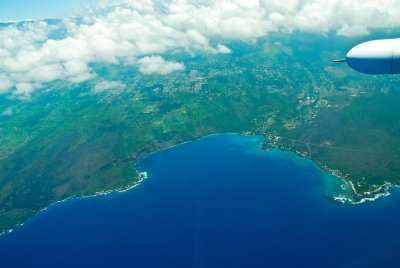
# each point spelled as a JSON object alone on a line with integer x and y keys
{"x": 220, "y": 201}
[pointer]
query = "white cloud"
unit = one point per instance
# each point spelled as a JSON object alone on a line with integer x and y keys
{"x": 24, "y": 90}
{"x": 139, "y": 32}
{"x": 355, "y": 30}
{"x": 223, "y": 49}
{"x": 5, "y": 83}
{"x": 157, "y": 65}
{"x": 8, "y": 111}
{"x": 108, "y": 85}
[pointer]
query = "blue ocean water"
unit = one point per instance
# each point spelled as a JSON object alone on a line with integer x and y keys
{"x": 216, "y": 202}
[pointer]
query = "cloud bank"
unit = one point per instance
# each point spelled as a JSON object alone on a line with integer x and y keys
{"x": 139, "y": 32}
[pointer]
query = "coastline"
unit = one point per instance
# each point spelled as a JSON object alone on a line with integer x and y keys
{"x": 352, "y": 197}
{"x": 118, "y": 190}
{"x": 380, "y": 192}
{"x": 143, "y": 175}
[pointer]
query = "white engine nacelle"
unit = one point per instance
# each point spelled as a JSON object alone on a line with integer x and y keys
{"x": 376, "y": 57}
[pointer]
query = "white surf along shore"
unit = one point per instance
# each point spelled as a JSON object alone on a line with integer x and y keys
{"x": 348, "y": 195}
{"x": 143, "y": 175}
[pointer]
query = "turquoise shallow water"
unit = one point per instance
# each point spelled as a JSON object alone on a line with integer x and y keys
{"x": 217, "y": 202}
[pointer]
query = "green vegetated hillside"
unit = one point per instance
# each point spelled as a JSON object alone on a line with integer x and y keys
{"x": 70, "y": 141}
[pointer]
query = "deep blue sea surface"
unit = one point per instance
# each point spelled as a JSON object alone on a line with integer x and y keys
{"x": 217, "y": 202}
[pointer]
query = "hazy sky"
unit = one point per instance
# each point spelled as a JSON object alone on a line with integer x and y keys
{"x": 15, "y": 10}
